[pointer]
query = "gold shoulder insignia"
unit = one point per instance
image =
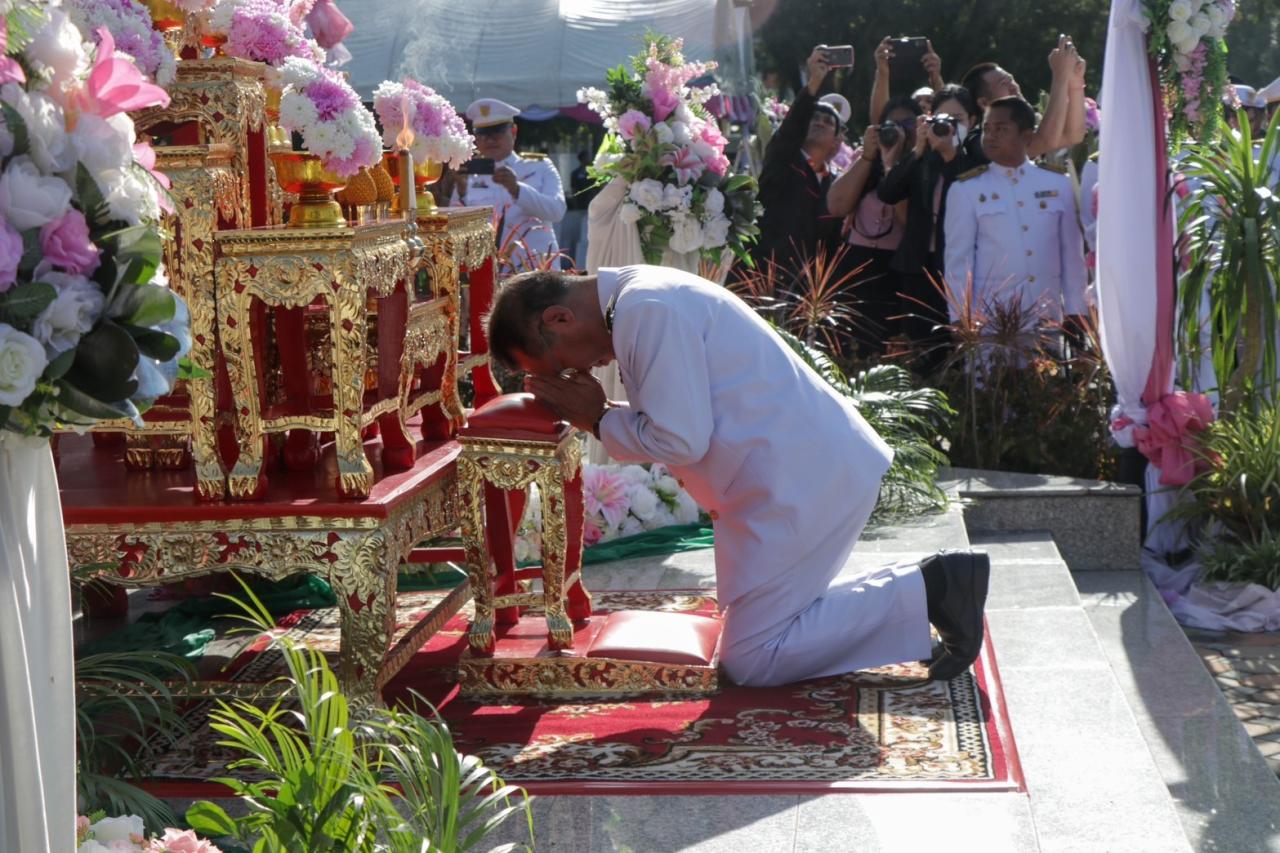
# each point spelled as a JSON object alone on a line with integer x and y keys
{"x": 1094, "y": 155}
{"x": 1050, "y": 167}
{"x": 972, "y": 173}
{"x": 532, "y": 155}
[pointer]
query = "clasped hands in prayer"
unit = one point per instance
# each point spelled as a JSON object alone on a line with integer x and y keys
{"x": 574, "y": 396}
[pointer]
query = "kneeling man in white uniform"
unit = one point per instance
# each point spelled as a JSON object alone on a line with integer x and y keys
{"x": 786, "y": 466}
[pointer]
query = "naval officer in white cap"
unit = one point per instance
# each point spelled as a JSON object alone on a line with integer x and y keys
{"x": 524, "y": 190}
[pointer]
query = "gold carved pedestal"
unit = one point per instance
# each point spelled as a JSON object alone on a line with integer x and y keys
{"x": 204, "y": 188}
{"x": 338, "y": 271}
{"x": 508, "y": 464}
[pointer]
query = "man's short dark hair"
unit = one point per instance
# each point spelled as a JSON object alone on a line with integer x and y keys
{"x": 1020, "y": 112}
{"x": 514, "y": 321}
{"x": 975, "y": 80}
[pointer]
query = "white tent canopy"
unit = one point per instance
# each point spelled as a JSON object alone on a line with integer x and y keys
{"x": 529, "y": 52}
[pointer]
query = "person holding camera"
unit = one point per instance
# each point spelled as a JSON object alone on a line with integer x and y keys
{"x": 923, "y": 169}
{"x": 902, "y": 57}
{"x": 524, "y": 190}
{"x": 794, "y": 177}
{"x": 875, "y": 228}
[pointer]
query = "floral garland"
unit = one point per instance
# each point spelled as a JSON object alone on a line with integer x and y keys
{"x": 664, "y": 143}
{"x": 263, "y": 31}
{"x": 440, "y": 134}
{"x": 88, "y": 328}
{"x": 1188, "y": 40}
{"x": 621, "y": 500}
{"x": 319, "y": 103}
{"x": 129, "y": 23}
{"x": 100, "y": 834}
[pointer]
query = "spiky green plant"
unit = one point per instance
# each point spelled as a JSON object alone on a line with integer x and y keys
{"x": 336, "y": 778}
{"x": 1231, "y": 223}
{"x": 908, "y": 418}
{"x": 126, "y": 716}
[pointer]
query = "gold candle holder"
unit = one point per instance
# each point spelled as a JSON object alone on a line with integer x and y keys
{"x": 425, "y": 174}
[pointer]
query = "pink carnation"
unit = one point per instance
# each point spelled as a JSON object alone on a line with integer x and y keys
{"x": 66, "y": 244}
{"x": 632, "y": 123}
{"x": 10, "y": 255}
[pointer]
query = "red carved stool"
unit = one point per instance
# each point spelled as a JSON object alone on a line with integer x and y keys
{"x": 508, "y": 444}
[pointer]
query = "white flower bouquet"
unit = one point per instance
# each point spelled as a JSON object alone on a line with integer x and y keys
{"x": 319, "y": 104}
{"x": 439, "y": 133}
{"x": 131, "y": 26}
{"x": 1188, "y": 40}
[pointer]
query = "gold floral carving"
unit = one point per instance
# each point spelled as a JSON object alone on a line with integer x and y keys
{"x": 512, "y": 466}
{"x": 431, "y": 331}
{"x": 287, "y": 267}
{"x": 579, "y": 677}
{"x": 225, "y": 96}
{"x": 358, "y": 555}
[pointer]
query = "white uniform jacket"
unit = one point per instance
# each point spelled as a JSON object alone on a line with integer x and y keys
{"x": 527, "y": 223}
{"x": 1015, "y": 231}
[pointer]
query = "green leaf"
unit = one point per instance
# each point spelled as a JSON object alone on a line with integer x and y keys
{"x": 210, "y": 820}
{"x": 105, "y": 361}
{"x": 92, "y": 203}
{"x": 60, "y": 364}
{"x": 17, "y": 129}
{"x": 188, "y": 369}
{"x": 142, "y": 305}
{"x": 154, "y": 344}
{"x": 26, "y": 301}
{"x": 82, "y": 403}
{"x": 32, "y": 252}
{"x": 4, "y": 415}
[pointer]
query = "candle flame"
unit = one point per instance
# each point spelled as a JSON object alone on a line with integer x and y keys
{"x": 404, "y": 139}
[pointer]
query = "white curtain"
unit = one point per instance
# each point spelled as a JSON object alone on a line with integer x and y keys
{"x": 614, "y": 243}
{"x": 37, "y": 688}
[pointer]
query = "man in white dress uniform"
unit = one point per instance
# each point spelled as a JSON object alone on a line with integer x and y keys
{"x": 524, "y": 190}
{"x": 787, "y": 468}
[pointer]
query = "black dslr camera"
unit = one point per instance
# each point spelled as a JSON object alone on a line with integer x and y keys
{"x": 943, "y": 125}
{"x": 889, "y": 134}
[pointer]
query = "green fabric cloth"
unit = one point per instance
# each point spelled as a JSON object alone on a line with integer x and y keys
{"x": 185, "y": 629}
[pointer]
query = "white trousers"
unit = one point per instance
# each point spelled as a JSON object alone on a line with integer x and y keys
{"x": 37, "y": 690}
{"x": 808, "y": 622}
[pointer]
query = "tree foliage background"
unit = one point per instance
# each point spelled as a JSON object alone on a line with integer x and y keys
{"x": 1016, "y": 33}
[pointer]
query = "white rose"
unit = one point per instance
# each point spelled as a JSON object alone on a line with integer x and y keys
{"x": 714, "y": 202}
{"x": 1180, "y": 10}
{"x": 131, "y": 195}
{"x": 680, "y": 132}
{"x": 668, "y": 485}
{"x": 663, "y": 131}
{"x": 663, "y": 518}
{"x": 71, "y": 314}
{"x": 686, "y": 234}
{"x": 1188, "y": 46}
{"x": 630, "y": 213}
{"x": 631, "y": 526}
{"x": 644, "y": 503}
{"x": 634, "y": 475}
{"x": 111, "y": 829}
{"x": 29, "y": 199}
{"x": 605, "y": 159}
{"x": 647, "y": 194}
{"x": 58, "y": 48}
{"x": 46, "y": 127}
{"x": 677, "y": 197}
{"x": 1179, "y": 31}
{"x": 1218, "y": 16}
{"x": 1201, "y": 23}
{"x": 715, "y": 233}
{"x": 101, "y": 145}
{"x": 22, "y": 360}
{"x": 686, "y": 511}
{"x": 683, "y": 113}
{"x": 705, "y": 150}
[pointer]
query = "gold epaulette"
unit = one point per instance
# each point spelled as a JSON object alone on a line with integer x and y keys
{"x": 1061, "y": 170}
{"x": 972, "y": 173}
{"x": 1094, "y": 155}
{"x": 533, "y": 155}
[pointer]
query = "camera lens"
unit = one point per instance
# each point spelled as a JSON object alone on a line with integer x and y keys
{"x": 889, "y": 133}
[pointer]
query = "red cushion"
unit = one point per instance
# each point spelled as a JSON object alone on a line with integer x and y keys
{"x": 651, "y": 635}
{"x": 514, "y": 416}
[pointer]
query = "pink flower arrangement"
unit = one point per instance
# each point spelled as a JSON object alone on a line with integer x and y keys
{"x": 1092, "y": 116}
{"x": 439, "y": 133}
{"x": 67, "y": 246}
{"x": 127, "y": 835}
{"x": 664, "y": 144}
{"x": 130, "y": 26}
{"x": 264, "y": 31}
{"x": 335, "y": 126}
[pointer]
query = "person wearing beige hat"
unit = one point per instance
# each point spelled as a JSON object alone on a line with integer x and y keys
{"x": 1270, "y": 93}
{"x": 524, "y": 190}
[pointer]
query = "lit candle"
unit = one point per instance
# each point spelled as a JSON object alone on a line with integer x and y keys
{"x": 404, "y": 139}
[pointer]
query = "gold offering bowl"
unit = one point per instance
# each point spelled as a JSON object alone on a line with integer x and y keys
{"x": 424, "y": 174}
{"x": 165, "y": 14}
{"x": 302, "y": 173}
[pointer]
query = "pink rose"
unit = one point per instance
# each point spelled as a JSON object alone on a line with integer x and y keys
{"x": 633, "y": 123}
{"x": 664, "y": 103}
{"x": 591, "y": 533}
{"x": 711, "y": 134}
{"x": 66, "y": 244}
{"x": 184, "y": 841}
{"x": 10, "y": 255}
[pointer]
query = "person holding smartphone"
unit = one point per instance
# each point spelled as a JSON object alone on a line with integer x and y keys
{"x": 794, "y": 177}
{"x": 894, "y": 56}
{"x": 524, "y": 190}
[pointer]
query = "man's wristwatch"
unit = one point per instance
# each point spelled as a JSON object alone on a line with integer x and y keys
{"x": 595, "y": 427}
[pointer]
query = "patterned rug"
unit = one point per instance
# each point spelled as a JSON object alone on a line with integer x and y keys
{"x": 880, "y": 729}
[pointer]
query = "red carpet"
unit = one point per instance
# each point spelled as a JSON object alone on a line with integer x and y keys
{"x": 868, "y": 731}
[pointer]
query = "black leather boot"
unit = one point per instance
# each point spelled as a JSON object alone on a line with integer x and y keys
{"x": 958, "y": 582}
